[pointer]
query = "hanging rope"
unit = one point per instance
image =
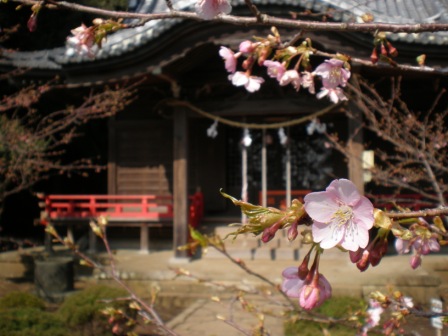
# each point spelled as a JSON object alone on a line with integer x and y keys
{"x": 289, "y": 123}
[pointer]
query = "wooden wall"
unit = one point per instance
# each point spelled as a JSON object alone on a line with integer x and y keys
{"x": 141, "y": 157}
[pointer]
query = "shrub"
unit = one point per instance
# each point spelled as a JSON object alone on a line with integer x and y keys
{"x": 21, "y": 300}
{"x": 27, "y": 321}
{"x": 82, "y": 310}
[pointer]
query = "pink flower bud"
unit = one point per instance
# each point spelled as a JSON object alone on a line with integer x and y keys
{"x": 416, "y": 261}
{"x": 374, "y": 56}
{"x": 363, "y": 263}
{"x": 246, "y": 47}
{"x": 32, "y": 23}
{"x": 356, "y": 256}
{"x": 392, "y": 50}
{"x": 247, "y": 63}
{"x": 269, "y": 233}
{"x": 314, "y": 294}
{"x": 293, "y": 232}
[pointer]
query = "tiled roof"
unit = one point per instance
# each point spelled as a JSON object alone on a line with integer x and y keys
{"x": 386, "y": 11}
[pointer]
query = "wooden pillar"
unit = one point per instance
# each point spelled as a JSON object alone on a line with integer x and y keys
{"x": 244, "y": 183}
{"x": 355, "y": 148}
{"x": 144, "y": 238}
{"x": 264, "y": 171}
{"x": 180, "y": 182}
{"x": 112, "y": 153}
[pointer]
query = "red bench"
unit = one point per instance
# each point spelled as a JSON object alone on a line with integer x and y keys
{"x": 144, "y": 211}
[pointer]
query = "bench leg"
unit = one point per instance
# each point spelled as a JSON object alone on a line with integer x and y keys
{"x": 144, "y": 239}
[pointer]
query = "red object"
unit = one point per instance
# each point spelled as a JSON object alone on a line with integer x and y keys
{"x": 118, "y": 207}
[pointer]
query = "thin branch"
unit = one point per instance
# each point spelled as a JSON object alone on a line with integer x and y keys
{"x": 245, "y": 21}
{"x": 421, "y": 213}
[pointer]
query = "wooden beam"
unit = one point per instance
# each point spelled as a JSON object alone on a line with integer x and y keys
{"x": 355, "y": 147}
{"x": 264, "y": 171}
{"x": 144, "y": 238}
{"x": 112, "y": 163}
{"x": 180, "y": 182}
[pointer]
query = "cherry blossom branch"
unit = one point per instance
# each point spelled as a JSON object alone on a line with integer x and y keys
{"x": 421, "y": 213}
{"x": 264, "y": 20}
{"x": 99, "y": 230}
{"x": 243, "y": 266}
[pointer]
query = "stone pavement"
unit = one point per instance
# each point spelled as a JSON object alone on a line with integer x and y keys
{"x": 200, "y": 317}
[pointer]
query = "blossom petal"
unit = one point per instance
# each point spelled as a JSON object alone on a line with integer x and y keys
{"x": 239, "y": 78}
{"x": 328, "y": 235}
{"x": 355, "y": 237}
{"x": 292, "y": 285}
{"x": 364, "y": 213}
{"x": 321, "y": 206}
{"x": 346, "y": 191}
{"x": 253, "y": 84}
{"x": 291, "y": 272}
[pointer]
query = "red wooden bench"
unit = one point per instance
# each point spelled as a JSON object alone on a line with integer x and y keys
{"x": 144, "y": 211}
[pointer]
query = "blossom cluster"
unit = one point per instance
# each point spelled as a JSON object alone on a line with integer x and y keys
{"x": 420, "y": 240}
{"x": 87, "y": 40}
{"x": 334, "y": 73}
{"x": 342, "y": 217}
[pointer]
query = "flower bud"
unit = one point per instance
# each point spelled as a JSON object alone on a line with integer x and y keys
{"x": 293, "y": 232}
{"x": 380, "y": 297}
{"x": 32, "y": 23}
{"x": 247, "y": 63}
{"x": 367, "y": 17}
{"x": 363, "y": 264}
{"x": 269, "y": 233}
{"x": 421, "y": 59}
{"x": 374, "y": 56}
{"x": 356, "y": 256}
{"x": 416, "y": 261}
{"x": 392, "y": 50}
{"x": 383, "y": 50}
{"x": 246, "y": 47}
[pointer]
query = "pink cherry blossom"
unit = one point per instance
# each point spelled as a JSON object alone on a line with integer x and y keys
{"x": 373, "y": 316}
{"x": 209, "y": 9}
{"x": 335, "y": 95}
{"x": 291, "y": 77}
{"x": 313, "y": 295}
{"x": 275, "y": 69}
{"x": 332, "y": 73}
{"x": 308, "y": 82}
{"x": 426, "y": 245}
{"x": 292, "y": 285}
{"x": 310, "y": 295}
{"x": 341, "y": 216}
{"x": 402, "y": 246}
{"x": 247, "y": 46}
{"x": 82, "y": 41}
{"x": 422, "y": 243}
{"x": 229, "y": 59}
{"x": 251, "y": 83}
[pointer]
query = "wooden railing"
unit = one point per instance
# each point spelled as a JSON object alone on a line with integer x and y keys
{"x": 144, "y": 211}
{"x": 125, "y": 208}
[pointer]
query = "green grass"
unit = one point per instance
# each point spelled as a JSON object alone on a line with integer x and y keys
{"x": 337, "y": 307}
